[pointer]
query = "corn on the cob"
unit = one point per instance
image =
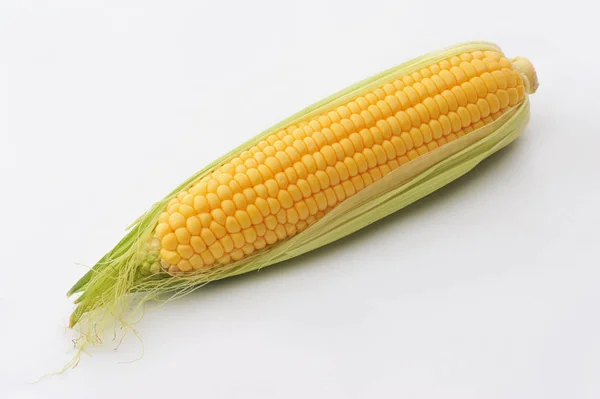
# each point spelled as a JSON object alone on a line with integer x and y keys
{"x": 290, "y": 179}
{"x": 324, "y": 173}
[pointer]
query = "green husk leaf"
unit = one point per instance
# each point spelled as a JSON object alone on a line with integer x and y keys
{"x": 115, "y": 290}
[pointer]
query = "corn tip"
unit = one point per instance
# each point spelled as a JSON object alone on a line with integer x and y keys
{"x": 527, "y": 70}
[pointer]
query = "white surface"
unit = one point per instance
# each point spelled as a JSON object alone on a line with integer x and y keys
{"x": 486, "y": 289}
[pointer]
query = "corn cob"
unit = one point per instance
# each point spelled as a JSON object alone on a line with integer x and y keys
{"x": 292, "y": 178}
{"x": 322, "y": 174}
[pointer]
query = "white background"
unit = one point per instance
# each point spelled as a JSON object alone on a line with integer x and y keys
{"x": 486, "y": 289}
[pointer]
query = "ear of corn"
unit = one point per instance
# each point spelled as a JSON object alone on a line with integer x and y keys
{"x": 316, "y": 177}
